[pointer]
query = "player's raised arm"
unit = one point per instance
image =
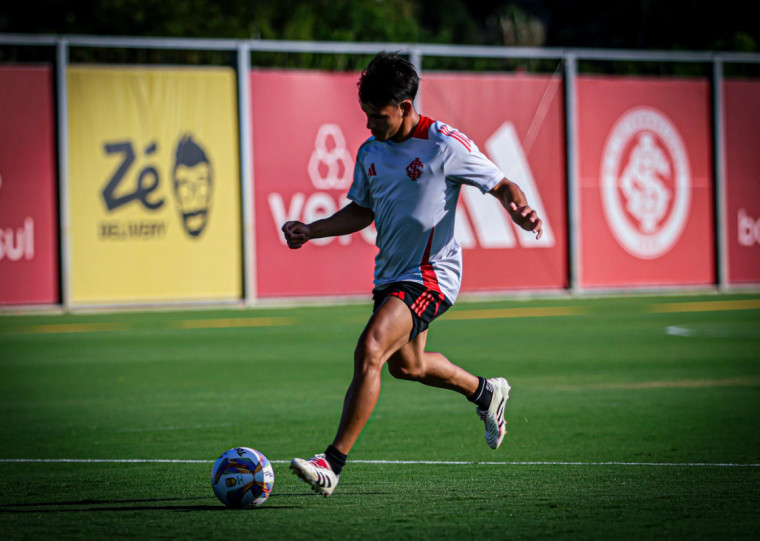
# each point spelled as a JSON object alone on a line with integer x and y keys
{"x": 515, "y": 203}
{"x": 349, "y": 219}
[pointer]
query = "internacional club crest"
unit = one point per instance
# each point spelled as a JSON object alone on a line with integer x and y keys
{"x": 645, "y": 183}
{"x": 414, "y": 169}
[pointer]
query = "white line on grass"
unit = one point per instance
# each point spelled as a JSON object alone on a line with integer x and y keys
{"x": 391, "y": 462}
{"x": 178, "y": 427}
{"x": 711, "y": 332}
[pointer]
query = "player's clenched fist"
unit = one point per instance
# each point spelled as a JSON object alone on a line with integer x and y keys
{"x": 296, "y": 234}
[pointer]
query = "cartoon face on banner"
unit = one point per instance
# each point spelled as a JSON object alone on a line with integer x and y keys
{"x": 193, "y": 182}
{"x": 645, "y": 182}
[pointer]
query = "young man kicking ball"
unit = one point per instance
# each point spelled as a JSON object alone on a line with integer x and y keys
{"x": 407, "y": 180}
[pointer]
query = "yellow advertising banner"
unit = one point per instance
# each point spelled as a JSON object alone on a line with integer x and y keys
{"x": 154, "y": 185}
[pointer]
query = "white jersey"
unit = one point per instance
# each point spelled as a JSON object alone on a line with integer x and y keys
{"x": 413, "y": 188}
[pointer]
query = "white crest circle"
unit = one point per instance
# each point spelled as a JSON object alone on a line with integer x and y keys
{"x": 651, "y": 237}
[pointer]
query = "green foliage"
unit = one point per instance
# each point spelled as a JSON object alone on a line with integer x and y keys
{"x": 676, "y": 24}
{"x": 328, "y": 20}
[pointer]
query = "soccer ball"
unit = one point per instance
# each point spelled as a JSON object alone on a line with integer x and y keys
{"x": 242, "y": 478}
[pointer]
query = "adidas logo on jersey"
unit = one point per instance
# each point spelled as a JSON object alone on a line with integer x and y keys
{"x": 372, "y": 172}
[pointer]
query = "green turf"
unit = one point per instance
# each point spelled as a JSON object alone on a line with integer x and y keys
{"x": 649, "y": 420}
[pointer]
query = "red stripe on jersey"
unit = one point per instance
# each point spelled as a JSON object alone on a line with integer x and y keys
{"x": 445, "y": 130}
{"x": 422, "y": 130}
{"x": 456, "y": 135}
{"x": 429, "y": 279}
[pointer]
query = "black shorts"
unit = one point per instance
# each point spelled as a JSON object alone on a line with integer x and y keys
{"x": 425, "y": 304}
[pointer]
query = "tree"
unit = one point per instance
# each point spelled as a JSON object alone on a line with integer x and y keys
{"x": 629, "y": 24}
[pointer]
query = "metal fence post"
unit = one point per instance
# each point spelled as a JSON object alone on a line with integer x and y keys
{"x": 415, "y": 57}
{"x": 573, "y": 182}
{"x": 246, "y": 172}
{"x": 62, "y": 62}
{"x": 721, "y": 225}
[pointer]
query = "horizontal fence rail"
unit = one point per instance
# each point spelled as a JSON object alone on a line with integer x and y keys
{"x": 568, "y": 67}
{"x": 424, "y": 49}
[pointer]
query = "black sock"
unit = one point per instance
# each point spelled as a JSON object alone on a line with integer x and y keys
{"x": 482, "y": 397}
{"x": 336, "y": 459}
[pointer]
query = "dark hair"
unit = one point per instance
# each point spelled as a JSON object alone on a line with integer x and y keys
{"x": 388, "y": 79}
{"x": 189, "y": 152}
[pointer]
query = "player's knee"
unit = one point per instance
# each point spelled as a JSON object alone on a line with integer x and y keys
{"x": 405, "y": 371}
{"x": 368, "y": 355}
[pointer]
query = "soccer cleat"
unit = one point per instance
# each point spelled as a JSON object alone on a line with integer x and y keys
{"x": 493, "y": 417}
{"x": 317, "y": 472}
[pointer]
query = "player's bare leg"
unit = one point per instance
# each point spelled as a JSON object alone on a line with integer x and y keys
{"x": 412, "y": 362}
{"x": 386, "y": 333}
{"x": 385, "y": 340}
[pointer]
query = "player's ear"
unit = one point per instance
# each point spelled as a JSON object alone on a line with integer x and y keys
{"x": 406, "y": 107}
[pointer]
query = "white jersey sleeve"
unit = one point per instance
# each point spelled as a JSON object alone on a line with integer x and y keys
{"x": 359, "y": 192}
{"x": 465, "y": 163}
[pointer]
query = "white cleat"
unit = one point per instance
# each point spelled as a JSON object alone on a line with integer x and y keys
{"x": 493, "y": 417}
{"x": 317, "y": 472}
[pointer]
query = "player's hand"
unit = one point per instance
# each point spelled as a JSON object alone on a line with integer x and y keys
{"x": 296, "y": 234}
{"x": 526, "y": 218}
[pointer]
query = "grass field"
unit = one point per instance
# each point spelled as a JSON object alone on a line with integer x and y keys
{"x": 633, "y": 417}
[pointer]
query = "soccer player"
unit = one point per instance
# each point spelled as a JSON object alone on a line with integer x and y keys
{"x": 407, "y": 179}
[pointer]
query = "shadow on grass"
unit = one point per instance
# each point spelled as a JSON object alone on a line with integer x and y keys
{"x": 150, "y": 504}
{"x": 86, "y": 505}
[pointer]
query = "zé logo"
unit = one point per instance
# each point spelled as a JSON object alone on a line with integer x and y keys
{"x": 147, "y": 179}
{"x": 132, "y": 183}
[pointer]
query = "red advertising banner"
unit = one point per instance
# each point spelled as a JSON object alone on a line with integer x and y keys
{"x": 28, "y": 206}
{"x": 742, "y": 176}
{"x": 646, "y": 197}
{"x": 307, "y": 127}
{"x": 303, "y": 169}
{"x": 517, "y": 121}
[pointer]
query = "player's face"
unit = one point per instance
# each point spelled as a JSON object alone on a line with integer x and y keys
{"x": 384, "y": 122}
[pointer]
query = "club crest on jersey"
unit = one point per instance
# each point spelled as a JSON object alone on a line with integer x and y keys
{"x": 414, "y": 169}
